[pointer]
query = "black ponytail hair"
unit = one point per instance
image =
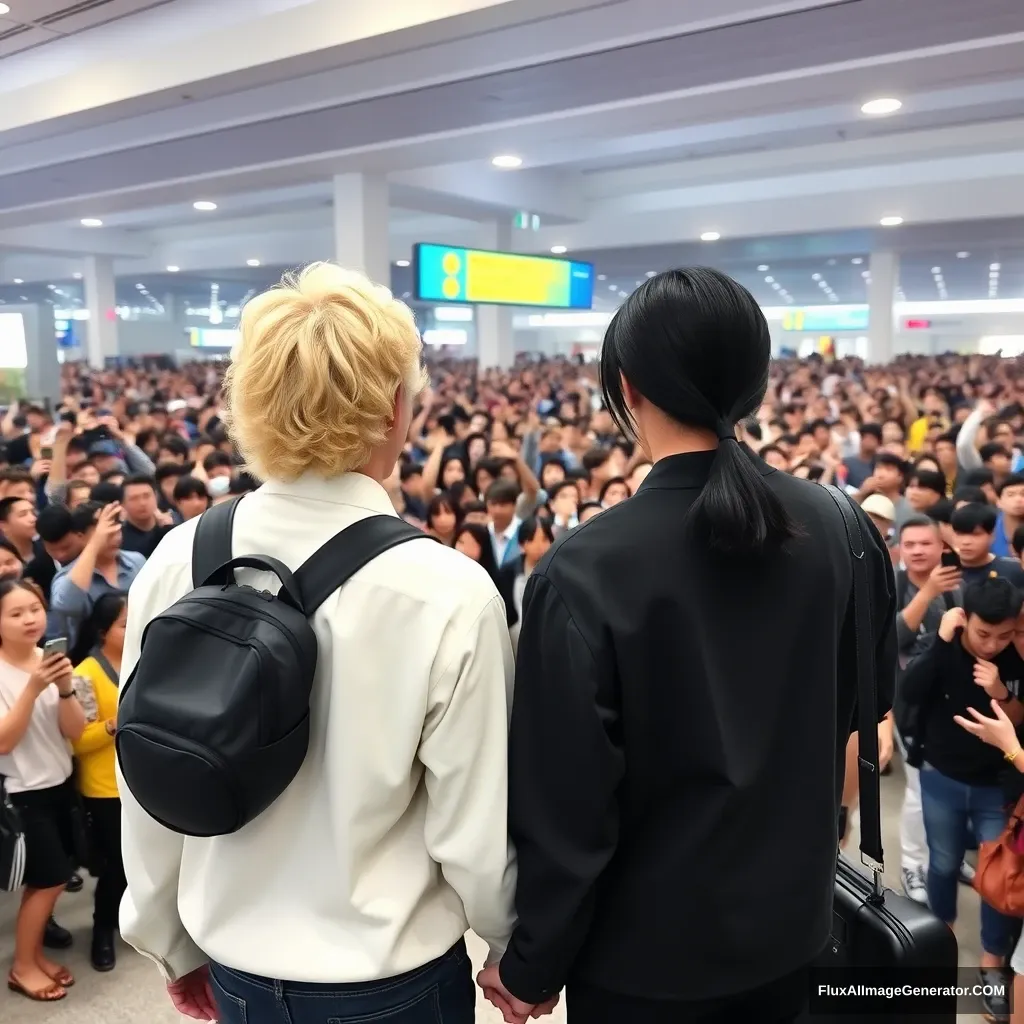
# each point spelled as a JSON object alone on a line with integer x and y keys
{"x": 93, "y": 630}
{"x": 696, "y": 345}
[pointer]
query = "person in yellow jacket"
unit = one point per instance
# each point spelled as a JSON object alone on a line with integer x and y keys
{"x": 97, "y": 660}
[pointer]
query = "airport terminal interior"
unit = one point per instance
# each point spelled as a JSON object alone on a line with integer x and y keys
{"x": 513, "y": 170}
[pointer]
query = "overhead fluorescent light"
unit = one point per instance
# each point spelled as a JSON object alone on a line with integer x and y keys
{"x": 5, "y": 9}
{"x": 204, "y": 205}
{"x": 401, "y": 263}
{"x": 710, "y": 236}
{"x": 652, "y": 273}
{"x": 891, "y": 222}
{"x": 963, "y": 254}
{"x": 507, "y": 162}
{"x": 91, "y": 222}
{"x": 18, "y": 280}
{"x": 559, "y": 249}
{"x": 881, "y": 106}
{"x": 857, "y": 260}
{"x": 172, "y": 269}
{"x": 763, "y": 267}
{"x": 252, "y": 263}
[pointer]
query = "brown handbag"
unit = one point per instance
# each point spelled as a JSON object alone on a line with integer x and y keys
{"x": 999, "y": 877}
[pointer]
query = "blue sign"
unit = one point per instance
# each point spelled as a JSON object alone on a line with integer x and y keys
{"x": 853, "y": 318}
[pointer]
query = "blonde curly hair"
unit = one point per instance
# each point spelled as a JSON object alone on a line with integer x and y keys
{"x": 312, "y": 383}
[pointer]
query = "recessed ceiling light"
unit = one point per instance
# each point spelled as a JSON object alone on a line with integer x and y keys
{"x": 936, "y": 270}
{"x": 762, "y": 267}
{"x": 857, "y": 261}
{"x": 963, "y": 254}
{"x": 252, "y": 263}
{"x": 994, "y": 266}
{"x": 18, "y": 280}
{"x": 652, "y": 273}
{"x": 401, "y": 263}
{"x": 710, "y": 236}
{"x": 172, "y": 269}
{"x": 815, "y": 277}
{"x": 559, "y": 249}
{"x": 884, "y": 105}
{"x": 204, "y": 205}
{"x": 5, "y": 9}
{"x": 602, "y": 277}
{"x": 891, "y": 222}
{"x": 507, "y": 162}
{"x": 91, "y": 222}
{"x": 77, "y": 275}
{"x": 612, "y": 288}
{"x": 769, "y": 279}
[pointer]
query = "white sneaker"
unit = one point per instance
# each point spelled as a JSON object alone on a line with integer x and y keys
{"x": 966, "y": 873}
{"x": 914, "y": 885}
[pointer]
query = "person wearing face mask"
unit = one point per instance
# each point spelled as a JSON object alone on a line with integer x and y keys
{"x": 219, "y": 488}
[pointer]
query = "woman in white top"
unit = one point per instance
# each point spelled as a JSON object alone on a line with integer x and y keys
{"x": 39, "y": 713}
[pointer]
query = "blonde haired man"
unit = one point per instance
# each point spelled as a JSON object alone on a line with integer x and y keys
{"x": 348, "y": 898}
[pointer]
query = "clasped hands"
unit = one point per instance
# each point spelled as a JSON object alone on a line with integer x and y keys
{"x": 515, "y": 1011}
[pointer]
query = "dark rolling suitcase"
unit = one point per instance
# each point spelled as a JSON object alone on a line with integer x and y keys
{"x": 880, "y": 938}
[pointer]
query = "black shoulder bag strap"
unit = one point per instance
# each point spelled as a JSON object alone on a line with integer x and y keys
{"x": 867, "y": 691}
{"x": 346, "y": 553}
{"x": 212, "y": 545}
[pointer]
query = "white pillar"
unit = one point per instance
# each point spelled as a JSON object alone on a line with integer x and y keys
{"x": 101, "y": 301}
{"x": 361, "y": 236}
{"x": 885, "y": 270}
{"x": 42, "y": 368}
{"x": 495, "y": 338}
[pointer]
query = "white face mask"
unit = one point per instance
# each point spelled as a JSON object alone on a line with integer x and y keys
{"x": 219, "y": 486}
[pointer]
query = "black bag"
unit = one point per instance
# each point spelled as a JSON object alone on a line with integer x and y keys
{"x": 213, "y": 723}
{"x": 12, "y": 843}
{"x": 872, "y": 926}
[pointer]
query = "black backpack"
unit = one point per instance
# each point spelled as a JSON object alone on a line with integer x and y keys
{"x": 213, "y": 723}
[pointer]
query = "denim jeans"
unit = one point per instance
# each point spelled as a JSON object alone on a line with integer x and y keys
{"x": 951, "y": 810}
{"x": 441, "y": 992}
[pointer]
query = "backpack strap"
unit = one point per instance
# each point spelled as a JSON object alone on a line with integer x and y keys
{"x": 212, "y": 545}
{"x": 346, "y": 553}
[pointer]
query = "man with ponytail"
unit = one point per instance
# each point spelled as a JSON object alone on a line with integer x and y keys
{"x": 684, "y": 694}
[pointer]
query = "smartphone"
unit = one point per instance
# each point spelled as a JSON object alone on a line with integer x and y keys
{"x": 950, "y": 560}
{"x": 58, "y": 645}
{"x": 46, "y": 452}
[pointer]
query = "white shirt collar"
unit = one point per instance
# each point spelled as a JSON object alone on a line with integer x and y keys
{"x": 347, "y": 489}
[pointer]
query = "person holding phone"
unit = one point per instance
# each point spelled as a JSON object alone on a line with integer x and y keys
{"x": 39, "y": 716}
{"x": 974, "y": 528}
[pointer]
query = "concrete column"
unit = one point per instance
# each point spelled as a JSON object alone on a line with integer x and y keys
{"x": 885, "y": 273}
{"x": 496, "y": 346}
{"x": 100, "y": 299}
{"x": 361, "y": 233}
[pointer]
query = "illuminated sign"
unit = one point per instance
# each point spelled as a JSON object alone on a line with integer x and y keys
{"x": 917, "y": 325}
{"x": 445, "y": 273}
{"x": 852, "y": 318}
{"x": 211, "y": 337}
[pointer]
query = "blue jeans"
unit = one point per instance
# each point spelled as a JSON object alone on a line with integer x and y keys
{"x": 441, "y": 992}
{"x": 951, "y": 810}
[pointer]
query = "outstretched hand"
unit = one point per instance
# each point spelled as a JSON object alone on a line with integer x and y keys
{"x": 515, "y": 1011}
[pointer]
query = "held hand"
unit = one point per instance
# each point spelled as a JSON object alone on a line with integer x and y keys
{"x": 870, "y": 486}
{"x": 193, "y": 995}
{"x": 943, "y": 579}
{"x": 164, "y": 519}
{"x": 111, "y": 423}
{"x": 54, "y": 669}
{"x": 986, "y": 675}
{"x": 514, "y": 1011}
{"x": 953, "y": 620}
{"x": 996, "y": 732}
{"x": 41, "y": 468}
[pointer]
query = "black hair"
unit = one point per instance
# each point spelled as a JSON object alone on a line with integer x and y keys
{"x": 564, "y": 485}
{"x": 471, "y": 506}
{"x": 94, "y": 629}
{"x": 988, "y": 451}
{"x": 243, "y": 483}
{"x": 7, "y": 506}
{"x": 83, "y": 518}
{"x": 890, "y": 459}
{"x": 441, "y": 502}
{"x": 870, "y": 430}
{"x": 217, "y": 460}
{"x": 586, "y": 505}
{"x": 917, "y": 521}
{"x": 577, "y": 474}
{"x": 174, "y": 444}
{"x": 696, "y": 345}
{"x": 502, "y": 492}
{"x": 994, "y": 600}
{"x": 941, "y": 511}
{"x": 190, "y": 487}
{"x": 107, "y": 493}
{"x": 1013, "y": 480}
{"x": 168, "y": 469}
{"x": 408, "y": 470}
{"x": 753, "y": 427}
{"x": 929, "y": 479}
{"x": 769, "y": 448}
{"x": 6, "y": 545}
{"x": 138, "y": 480}
{"x": 8, "y": 584}
{"x": 971, "y": 495}
{"x": 530, "y": 525}
{"x": 974, "y": 517}
{"x": 54, "y": 523}
{"x": 611, "y": 482}
{"x": 977, "y": 478}
{"x": 1018, "y": 541}
{"x": 482, "y": 536}
{"x": 594, "y": 458}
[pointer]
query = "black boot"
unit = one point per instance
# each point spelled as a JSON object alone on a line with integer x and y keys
{"x": 56, "y": 937}
{"x": 103, "y": 955}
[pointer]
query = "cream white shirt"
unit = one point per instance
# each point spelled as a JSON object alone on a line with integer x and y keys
{"x": 41, "y": 758}
{"x": 392, "y": 839}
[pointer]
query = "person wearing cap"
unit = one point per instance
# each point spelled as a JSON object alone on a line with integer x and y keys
{"x": 882, "y": 512}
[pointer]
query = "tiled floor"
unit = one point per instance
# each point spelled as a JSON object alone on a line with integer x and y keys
{"x": 134, "y": 993}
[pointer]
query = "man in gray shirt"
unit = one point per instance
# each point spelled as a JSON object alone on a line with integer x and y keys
{"x": 925, "y": 591}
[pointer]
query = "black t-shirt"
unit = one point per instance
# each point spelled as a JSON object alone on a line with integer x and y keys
{"x": 1007, "y": 568}
{"x": 942, "y": 682}
{"x": 142, "y": 541}
{"x": 18, "y": 450}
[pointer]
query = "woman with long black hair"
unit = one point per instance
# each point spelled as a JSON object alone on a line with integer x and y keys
{"x": 684, "y": 692}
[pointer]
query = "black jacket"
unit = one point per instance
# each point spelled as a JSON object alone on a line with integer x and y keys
{"x": 677, "y": 746}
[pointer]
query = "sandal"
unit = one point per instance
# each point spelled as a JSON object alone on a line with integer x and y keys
{"x": 64, "y": 978}
{"x": 51, "y": 994}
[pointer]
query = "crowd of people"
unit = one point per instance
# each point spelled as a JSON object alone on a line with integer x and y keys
{"x": 497, "y": 464}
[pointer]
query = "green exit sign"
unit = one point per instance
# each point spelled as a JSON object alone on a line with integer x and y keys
{"x": 525, "y": 221}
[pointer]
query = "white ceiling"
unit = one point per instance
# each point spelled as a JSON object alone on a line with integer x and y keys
{"x": 641, "y": 124}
